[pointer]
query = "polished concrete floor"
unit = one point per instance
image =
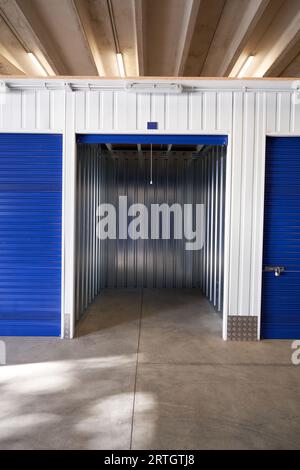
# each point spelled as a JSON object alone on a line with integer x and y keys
{"x": 149, "y": 370}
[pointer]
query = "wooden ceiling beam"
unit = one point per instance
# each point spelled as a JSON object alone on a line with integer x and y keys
{"x": 28, "y": 37}
{"x": 187, "y": 30}
{"x": 81, "y": 7}
{"x": 7, "y": 68}
{"x": 139, "y": 29}
{"x": 231, "y": 36}
{"x": 280, "y": 43}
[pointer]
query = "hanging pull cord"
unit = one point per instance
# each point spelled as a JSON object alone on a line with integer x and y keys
{"x": 151, "y": 164}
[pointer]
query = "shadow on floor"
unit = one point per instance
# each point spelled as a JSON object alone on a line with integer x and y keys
{"x": 169, "y": 373}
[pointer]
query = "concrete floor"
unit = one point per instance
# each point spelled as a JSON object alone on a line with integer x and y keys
{"x": 149, "y": 370}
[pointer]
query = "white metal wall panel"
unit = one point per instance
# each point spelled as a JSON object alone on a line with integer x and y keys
{"x": 16, "y": 110}
{"x": 28, "y": 110}
{"x": 158, "y": 110}
{"x": 69, "y": 178}
{"x": 40, "y": 110}
{"x": 108, "y": 115}
{"x": 80, "y": 110}
{"x": 182, "y": 111}
{"x": 246, "y": 204}
{"x": 271, "y": 104}
{"x": 296, "y": 114}
{"x": 93, "y": 110}
{"x": 235, "y": 203}
{"x": 258, "y": 205}
{"x": 283, "y": 112}
{"x": 210, "y": 111}
{"x": 43, "y": 109}
{"x": 120, "y": 111}
{"x": 143, "y": 111}
{"x": 196, "y": 112}
{"x": 171, "y": 112}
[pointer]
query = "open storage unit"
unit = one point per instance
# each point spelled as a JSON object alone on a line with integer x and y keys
{"x": 169, "y": 177}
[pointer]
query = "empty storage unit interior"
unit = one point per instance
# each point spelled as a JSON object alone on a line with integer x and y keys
{"x": 179, "y": 246}
{"x": 55, "y": 169}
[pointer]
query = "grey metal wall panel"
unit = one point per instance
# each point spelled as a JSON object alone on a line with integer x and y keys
{"x": 87, "y": 257}
{"x": 150, "y": 263}
{"x": 213, "y": 196}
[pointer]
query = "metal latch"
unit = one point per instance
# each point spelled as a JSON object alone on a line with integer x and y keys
{"x": 277, "y": 270}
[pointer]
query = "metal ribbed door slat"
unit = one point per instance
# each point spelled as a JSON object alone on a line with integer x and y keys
{"x": 280, "y": 294}
{"x": 30, "y": 234}
{"x": 213, "y": 170}
{"x": 88, "y": 269}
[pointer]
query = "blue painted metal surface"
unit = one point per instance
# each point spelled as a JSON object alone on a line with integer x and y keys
{"x": 30, "y": 234}
{"x": 152, "y": 125}
{"x": 280, "y": 295}
{"x": 152, "y": 139}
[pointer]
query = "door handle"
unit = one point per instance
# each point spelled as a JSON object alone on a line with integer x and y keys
{"x": 277, "y": 270}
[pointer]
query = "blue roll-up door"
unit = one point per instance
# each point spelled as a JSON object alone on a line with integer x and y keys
{"x": 281, "y": 292}
{"x": 30, "y": 234}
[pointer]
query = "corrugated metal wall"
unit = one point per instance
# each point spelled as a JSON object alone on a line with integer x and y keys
{"x": 150, "y": 263}
{"x": 213, "y": 171}
{"x": 178, "y": 177}
{"x": 87, "y": 257}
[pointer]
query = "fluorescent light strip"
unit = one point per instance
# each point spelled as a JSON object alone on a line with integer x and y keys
{"x": 121, "y": 65}
{"x": 245, "y": 67}
{"x": 37, "y": 64}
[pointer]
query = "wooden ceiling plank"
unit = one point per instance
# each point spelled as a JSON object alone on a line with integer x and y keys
{"x": 139, "y": 29}
{"x": 280, "y": 41}
{"x": 7, "y": 68}
{"x": 188, "y": 27}
{"x": 81, "y": 7}
{"x": 56, "y": 22}
{"x": 125, "y": 23}
{"x": 230, "y": 38}
{"x": 287, "y": 61}
{"x": 29, "y": 38}
{"x": 209, "y": 15}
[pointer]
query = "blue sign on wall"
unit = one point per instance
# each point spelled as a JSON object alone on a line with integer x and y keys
{"x": 152, "y": 125}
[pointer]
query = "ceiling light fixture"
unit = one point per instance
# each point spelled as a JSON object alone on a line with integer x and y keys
{"x": 245, "y": 67}
{"x": 119, "y": 55}
{"x": 121, "y": 65}
{"x": 37, "y": 64}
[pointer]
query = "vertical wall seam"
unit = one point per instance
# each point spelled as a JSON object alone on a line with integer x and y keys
{"x": 290, "y": 113}
{"x": 22, "y": 109}
{"x": 278, "y": 110}
{"x": 242, "y": 156}
{"x": 252, "y": 202}
{"x": 99, "y": 110}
